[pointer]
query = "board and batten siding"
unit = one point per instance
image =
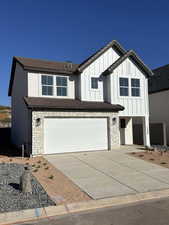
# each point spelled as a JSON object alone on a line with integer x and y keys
{"x": 35, "y": 87}
{"x": 95, "y": 69}
{"x": 134, "y": 106}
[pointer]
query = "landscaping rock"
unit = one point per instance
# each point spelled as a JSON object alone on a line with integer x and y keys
{"x": 25, "y": 181}
{"x": 11, "y": 196}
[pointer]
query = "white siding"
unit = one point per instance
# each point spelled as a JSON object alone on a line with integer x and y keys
{"x": 35, "y": 89}
{"x": 95, "y": 70}
{"x": 159, "y": 109}
{"x": 134, "y": 106}
{"x": 19, "y": 110}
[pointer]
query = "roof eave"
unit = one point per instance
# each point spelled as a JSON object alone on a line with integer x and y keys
{"x": 114, "y": 44}
{"x": 135, "y": 59}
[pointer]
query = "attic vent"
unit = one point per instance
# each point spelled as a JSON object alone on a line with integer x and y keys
{"x": 68, "y": 65}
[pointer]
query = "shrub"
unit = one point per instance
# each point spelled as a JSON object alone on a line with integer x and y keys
{"x": 51, "y": 177}
{"x": 163, "y": 163}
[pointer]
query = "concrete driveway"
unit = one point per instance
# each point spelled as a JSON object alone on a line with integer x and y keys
{"x": 111, "y": 173}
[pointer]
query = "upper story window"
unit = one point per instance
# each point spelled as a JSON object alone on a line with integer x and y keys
{"x": 135, "y": 87}
{"x": 53, "y": 85}
{"x": 61, "y": 86}
{"x": 129, "y": 87}
{"x": 47, "y": 85}
{"x": 94, "y": 83}
{"x": 124, "y": 86}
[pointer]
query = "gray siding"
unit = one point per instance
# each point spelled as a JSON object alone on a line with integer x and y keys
{"x": 159, "y": 109}
{"x": 19, "y": 132}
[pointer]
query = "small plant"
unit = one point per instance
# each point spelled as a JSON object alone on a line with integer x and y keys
{"x": 45, "y": 164}
{"x": 38, "y": 166}
{"x": 39, "y": 161}
{"x": 36, "y": 170}
{"x": 33, "y": 165}
{"x": 141, "y": 155}
{"x": 151, "y": 159}
{"x": 27, "y": 163}
{"x": 163, "y": 163}
{"x": 46, "y": 168}
{"x": 133, "y": 153}
{"x": 51, "y": 177}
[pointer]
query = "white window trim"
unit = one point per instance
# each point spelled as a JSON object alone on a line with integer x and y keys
{"x": 54, "y": 86}
{"x": 58, "y": 96}
{"x": 47, "y": 85}
{"x": 94, "y": 89}
{"x": 129, "y": 86}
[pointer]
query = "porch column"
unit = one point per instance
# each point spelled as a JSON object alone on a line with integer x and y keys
{"x": 129, "y": 131}
{"x": 146, "y": 131}
{"x": 164, "y": 135}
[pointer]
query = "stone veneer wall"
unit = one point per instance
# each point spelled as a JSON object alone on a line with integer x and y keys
{"x": 38, "y": 134}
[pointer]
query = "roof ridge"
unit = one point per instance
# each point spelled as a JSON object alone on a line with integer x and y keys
{"x": 44, "y": 60}
{"x": 125, "y": 56}
{"x": 98, "y": 53}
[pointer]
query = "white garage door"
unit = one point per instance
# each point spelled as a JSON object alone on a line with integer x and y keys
{"x": 74, "y": 134}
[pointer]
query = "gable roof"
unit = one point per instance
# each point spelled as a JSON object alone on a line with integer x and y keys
{"x": 39, "y": 65}
{"x": 116, "y": 46}
{"x": 71, "y": 68}
{"x": 160, "y": 80}
{"x": 134, "y": 58}
{"x": 46, "y": 66}
{"x": 70, "y": 104}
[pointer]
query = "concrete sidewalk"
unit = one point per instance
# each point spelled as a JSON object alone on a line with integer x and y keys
{"x": 106, "y": 174}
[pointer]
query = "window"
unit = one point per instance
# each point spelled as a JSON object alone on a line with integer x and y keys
{"x": 124, "y": 87}
{"x": 135, "y": 87}
{"x": 47, "y": 85}
{"x": 94, "y": 83}
{"x": 61, "y": 86}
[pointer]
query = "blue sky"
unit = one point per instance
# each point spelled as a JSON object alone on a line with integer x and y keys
{"x": 73, "y": 30}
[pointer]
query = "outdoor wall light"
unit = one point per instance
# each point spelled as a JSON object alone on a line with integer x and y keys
{"x": 38, "y": 122}
{"x": 114, "y": 120}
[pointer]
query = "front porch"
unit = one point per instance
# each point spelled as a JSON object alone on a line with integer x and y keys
{"x": 128, "y": 135}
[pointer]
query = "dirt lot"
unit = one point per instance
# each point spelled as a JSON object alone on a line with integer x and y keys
{"x": 156, "y": 157}
{"x": 57, "y": 185}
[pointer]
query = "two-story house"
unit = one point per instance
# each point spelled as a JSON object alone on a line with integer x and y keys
{"x": 64, "y": 107}
{"x": 159, "y": 107}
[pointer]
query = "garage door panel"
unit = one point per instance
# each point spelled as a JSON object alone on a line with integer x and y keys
{"x": 74, "y": 134}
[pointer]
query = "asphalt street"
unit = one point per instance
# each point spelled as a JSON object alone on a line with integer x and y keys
{"x": 142, "y": 213}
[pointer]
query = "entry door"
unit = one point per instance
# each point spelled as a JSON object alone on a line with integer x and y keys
{"x": 75, "y": 134}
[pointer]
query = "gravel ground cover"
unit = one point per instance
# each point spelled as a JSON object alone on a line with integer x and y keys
{"x": 11, "y": 197}
{"x": 158, "y": 155}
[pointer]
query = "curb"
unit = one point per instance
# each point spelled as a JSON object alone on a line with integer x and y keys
{"x": 40, "y": 213}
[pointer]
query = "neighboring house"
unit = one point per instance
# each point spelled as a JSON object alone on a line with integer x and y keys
{"x": 159, "y": 103}
{"x": 64, "y": 107}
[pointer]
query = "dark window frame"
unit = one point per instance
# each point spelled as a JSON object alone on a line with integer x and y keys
{"x": 47, "y": 85}
{"x": 123, "y": 88}
{"x": 135, "y": 87}
{"x": 61, "y": 86}
{"x": 94, "y": 83}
